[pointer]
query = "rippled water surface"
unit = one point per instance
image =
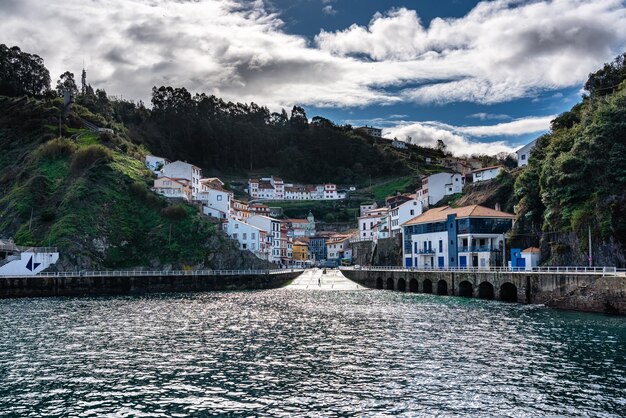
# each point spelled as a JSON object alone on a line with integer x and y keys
{"x": 297, "y": 352}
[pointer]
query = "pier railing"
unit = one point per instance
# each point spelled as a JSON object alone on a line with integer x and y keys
{"x": 551, "y": 270}
{"x": 156, "y": 273}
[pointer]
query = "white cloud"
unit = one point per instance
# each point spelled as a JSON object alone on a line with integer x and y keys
{"x": 489, "y": 116}
{"x": 462, "y": 140}
{"x": 501, "y": 50}
{"x": 513, "y": 128}
{"x": 329, "y": 10}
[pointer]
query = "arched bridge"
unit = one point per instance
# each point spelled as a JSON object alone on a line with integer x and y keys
{"x": 586, "y": 290}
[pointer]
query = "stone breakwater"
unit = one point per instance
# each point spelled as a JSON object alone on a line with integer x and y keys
{"x": 43, "y": 286}
{"x": 578, "y": 292}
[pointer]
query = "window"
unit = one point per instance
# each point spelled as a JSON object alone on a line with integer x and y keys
{"x": 219, "y": 197}
{"x": 245, "y": 235}
{"x": 253, "y": 235}
{"x": 235, "y": 235}
{"x": 236, "y": 226}
{"x": 523, "y": 157}
{"x": 440, "y": 246}
{"x": 412, "y": 213}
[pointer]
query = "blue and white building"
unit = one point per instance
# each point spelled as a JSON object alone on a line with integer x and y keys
{"x": 471, "y": 236}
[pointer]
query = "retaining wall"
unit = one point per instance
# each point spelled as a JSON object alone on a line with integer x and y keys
{"x": 580, "y": 292}
{"x": 40, "y": 286}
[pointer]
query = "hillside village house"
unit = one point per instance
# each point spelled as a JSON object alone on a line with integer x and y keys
{"x": 183, "y": 170}
{"x": 274, "y": 188}
{"x": 470, "y": 236}
{"x": 273, "y": 238}
{"x": 216, "y": 201}
{"x": 250, "y": 237}
{"x": 436, "y": 186}
{"x": 368, "y": 220}
{"x": 404, "y": 213}
{"x": 336, "y": 247}
{"x": 317, "y": 246}
{"x": 371, "y": 131}
{"x": 172, "y": 188}
{"x": 156, "y": 164}
{"x": 301, "y": 227}
{"x": 300, "y": 251}
{"x": 259, "y": 209}
{"x": 366, "y": 207}
{"x": 240, "y": 209}
{"x": 487, "y": 173}
{"x": 523, "y": 154}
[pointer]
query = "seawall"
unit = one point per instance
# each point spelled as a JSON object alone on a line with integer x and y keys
{"x": 586, "y": 292}
{"x": 44, "y": 286}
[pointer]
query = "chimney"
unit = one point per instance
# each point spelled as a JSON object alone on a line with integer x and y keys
{"x": 498, "y": 207}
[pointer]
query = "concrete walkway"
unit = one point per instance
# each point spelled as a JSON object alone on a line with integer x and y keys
{"x": 314, "y": 279}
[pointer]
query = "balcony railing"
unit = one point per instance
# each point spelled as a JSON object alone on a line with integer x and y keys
{"x": 425, "y": 251}
{"x": 476, "y": 248}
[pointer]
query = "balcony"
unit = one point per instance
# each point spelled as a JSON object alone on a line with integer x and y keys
{"x": 425, "y": 251}
{"x": 477, "y": 249}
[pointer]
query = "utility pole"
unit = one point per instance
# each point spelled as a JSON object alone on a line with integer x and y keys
{"x": 590, "y": 254}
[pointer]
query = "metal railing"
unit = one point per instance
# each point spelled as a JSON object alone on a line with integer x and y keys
{"x": 156, "y": 273}
{"x": 559, "y": 270}
{"x": 17, "y": 248}
{"x": 476, "y": 248}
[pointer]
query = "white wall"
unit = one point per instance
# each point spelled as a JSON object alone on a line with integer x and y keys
{"x": 181, "y": 169}
{"x": 29, "y": 264}
{"x": 443, "y": 184}
{"x": 485, "y": 175}
{"x": 523, "y": 154}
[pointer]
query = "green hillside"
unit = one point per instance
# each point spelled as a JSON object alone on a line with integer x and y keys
{"x": 88, "y": 194}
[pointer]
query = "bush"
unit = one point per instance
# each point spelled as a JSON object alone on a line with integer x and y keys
{"x": 175, "y": 212}
{"x": 88, "y": 156}
{"x": 48, "y": 215}
{"x": 58, "y": 147}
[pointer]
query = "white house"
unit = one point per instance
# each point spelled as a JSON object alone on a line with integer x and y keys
{"x": 436, "y": 186}
{"x": 398, "y": 144}
{"x": 216, "y": 201}
{"x": 272, "y": 228}
{"x": 336, "y": 247}
{"x": 366, "y": 207}
{"x": 274, "y": 188}
{"x": 156, "y": 164}
{"x": 370, "y": 219}
{"x": 183, "y": 170}
{"x": 523, "y": 154}
{"x": 404, "y": 213}
{"x": 487, "y": 173}
{"x": 172, "y": 188}
{"x": 250, "y": 237}
{"x": 531, "y": 257}
{"x": 370, "y": 130}
{"x": 470, "y": 236}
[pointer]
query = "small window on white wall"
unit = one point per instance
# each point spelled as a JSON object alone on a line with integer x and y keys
{"x": 219, "y": 197}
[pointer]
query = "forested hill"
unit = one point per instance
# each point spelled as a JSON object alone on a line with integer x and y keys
{"x": 239, "y": 137}
{"x": 576, "y": 178}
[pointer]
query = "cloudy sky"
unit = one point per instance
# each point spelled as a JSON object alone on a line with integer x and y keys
{"x": 483, "y": 76}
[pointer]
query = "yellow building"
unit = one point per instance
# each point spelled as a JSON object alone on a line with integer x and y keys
{"x": 300, "y": 251}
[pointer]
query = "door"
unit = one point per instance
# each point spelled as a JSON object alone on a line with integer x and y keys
{"x": 440, "y": 262}
{"x": 463, "y": 261}
{"x": 521, "y": 264}
{"x": 474, "y": 261}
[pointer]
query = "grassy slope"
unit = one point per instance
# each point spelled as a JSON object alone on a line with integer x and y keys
{"x": 101, "y": 214}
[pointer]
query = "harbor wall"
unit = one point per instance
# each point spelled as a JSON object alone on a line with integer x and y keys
{"x": 43, "y": 286}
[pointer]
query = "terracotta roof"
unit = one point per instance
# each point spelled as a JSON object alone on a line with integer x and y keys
{"x": 473, "y": 211}
{"x": 532, "y": 250}
{"x": 486, "y": 168}
{"x": 253, "y": 181}
{"x": 297, "y": 221}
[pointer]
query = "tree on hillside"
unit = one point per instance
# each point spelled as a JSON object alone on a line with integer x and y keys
{"x": 66, "y": 82}
{"x": 606, "y": 80}
{"x": 441, "y": 146}
{"x": 22, "y": 73}
{"x": 298, "y": 118}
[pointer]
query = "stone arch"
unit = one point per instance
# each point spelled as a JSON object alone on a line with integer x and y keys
{"x": 442, "y": 287}
{"x": 466, "y": 289}
{"x": 413, "y": 286}
{"x": 427, "y": 286}
{"x": 379, "y": 283}
{"x": 485, "y": 290}
{"x": 401, "y": 285}
{"x": 390, "y": 284}
{"x": 508, "y": 292}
